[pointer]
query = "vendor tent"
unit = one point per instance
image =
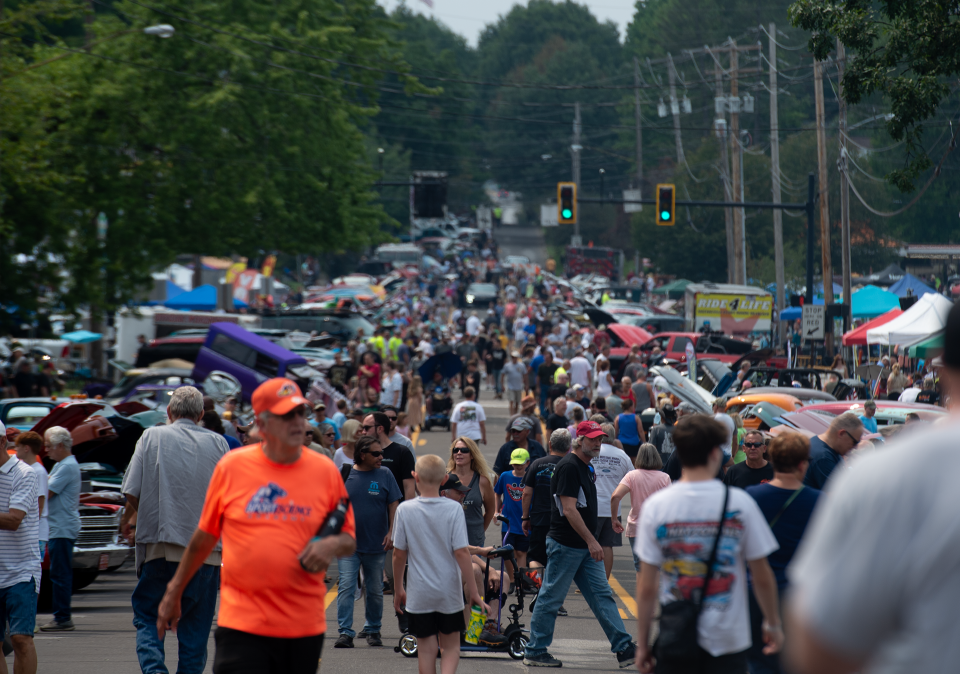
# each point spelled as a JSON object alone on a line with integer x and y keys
{"x": 887, "y": 277}
{"x": 927, "y": 348}
{"x": 202, "y": 298}
{"x": 912, "y": 283}
{"x": 674, "y": 290}
{"x": 82, "y": 336}
{"x": 924, "y": 319}
{"x": 858, "y": 336}
{"x": 837, "y": 293}
{"x": 793, "y": 313}
{"x": 873, "y": 301}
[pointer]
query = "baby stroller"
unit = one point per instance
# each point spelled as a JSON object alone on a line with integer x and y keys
{"x": 515, "y": 637}
{"x": 435, "y": 373}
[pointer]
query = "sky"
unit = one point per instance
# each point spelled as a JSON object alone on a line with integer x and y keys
{"x": 468, "y": 17}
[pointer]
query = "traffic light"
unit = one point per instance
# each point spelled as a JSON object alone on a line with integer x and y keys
{"x": 566, "y": 203}
{"x": 666, "y": 204}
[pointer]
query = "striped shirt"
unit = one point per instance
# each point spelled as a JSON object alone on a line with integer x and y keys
{"x": 19, "y": 554}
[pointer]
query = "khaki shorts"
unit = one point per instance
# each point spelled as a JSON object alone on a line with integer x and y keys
{"x": 514, "y": 396}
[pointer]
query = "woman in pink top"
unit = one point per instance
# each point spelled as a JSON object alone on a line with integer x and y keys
{"x": 645, "y": 480}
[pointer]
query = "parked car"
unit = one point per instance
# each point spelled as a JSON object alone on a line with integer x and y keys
{"x": 744, "y": 403}
{"x": 22, "y": 414}
{"x": 250, "y": 358}
{"x": 138, "y": 376}
{"x": 480, "y": 295}
{"x": 343, "y": 325}
{"x": 889, "y": 412}
{"x": 181, "y": 346}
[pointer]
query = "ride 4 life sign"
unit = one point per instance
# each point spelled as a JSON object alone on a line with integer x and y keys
{"x": 814, "y": 321}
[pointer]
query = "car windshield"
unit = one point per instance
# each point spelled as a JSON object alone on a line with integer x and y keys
{"x": 26, "y": 415}
{"x": 482, "y": 289}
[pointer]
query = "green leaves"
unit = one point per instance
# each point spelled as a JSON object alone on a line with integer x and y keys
{"x": 906, "y": 51}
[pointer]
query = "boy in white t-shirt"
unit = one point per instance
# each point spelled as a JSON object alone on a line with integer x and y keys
{"x": 675, "y": 536}
{"x": 28, "y": 446}
{"x": 430, "y": 532}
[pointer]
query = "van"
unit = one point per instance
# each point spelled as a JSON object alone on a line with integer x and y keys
{"x": 250, "y": 358}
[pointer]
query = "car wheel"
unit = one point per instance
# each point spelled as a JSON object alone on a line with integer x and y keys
{"x": 83, "y": 577}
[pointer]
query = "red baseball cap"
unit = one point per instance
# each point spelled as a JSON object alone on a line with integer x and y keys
{"x": 589, "y": 429}
{"x": 277, "y": 396}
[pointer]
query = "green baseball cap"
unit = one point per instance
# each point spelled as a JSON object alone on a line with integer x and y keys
{"x": 519, "y": 457}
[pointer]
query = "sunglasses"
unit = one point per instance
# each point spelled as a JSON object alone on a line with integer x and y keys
{"x": 298, "y": 412}
{"x": 375, "y": 454}
{"x": 367, "y": 428}
{"x": 332, "y": 435}
{"x": 461, "y": 450}
{"x": 391, "y": 418}
{"x": 593, "y": 473}
{"x": 753, "y": 445}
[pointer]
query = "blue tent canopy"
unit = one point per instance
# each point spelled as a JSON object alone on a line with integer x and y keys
{"x": 872, "y": 301}
{"x": 911, "y": 282}
{"x": 791, "y": 313}
{"x": 203, "y": 298}
{"x": 818, "y": 293}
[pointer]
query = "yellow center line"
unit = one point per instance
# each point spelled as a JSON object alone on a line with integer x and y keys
{"x": 625, "y": 597}
{"x": 330, "y": 597}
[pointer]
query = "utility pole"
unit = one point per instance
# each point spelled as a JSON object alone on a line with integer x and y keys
{"x": 844, "y": 189}
{"x": 825, "y": 263}
{"x": 576, "y": 147}
{"x": 775, "y": 179}
{"x": 675, "y": 107}
{"x": 739, "y": 275}
{"x": 725, "y": 178}
{"x": 638, "y": 123}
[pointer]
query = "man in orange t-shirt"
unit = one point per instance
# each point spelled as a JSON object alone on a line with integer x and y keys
{"x": 267, "y": 502}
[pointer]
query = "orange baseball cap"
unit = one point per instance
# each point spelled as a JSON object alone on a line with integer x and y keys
{"x": 277, "y": 396}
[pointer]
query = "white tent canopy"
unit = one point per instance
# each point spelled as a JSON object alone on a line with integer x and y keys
{"x": 924, "y": 319}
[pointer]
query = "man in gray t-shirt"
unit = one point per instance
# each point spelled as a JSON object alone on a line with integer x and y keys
{"x": 63, "y": 516}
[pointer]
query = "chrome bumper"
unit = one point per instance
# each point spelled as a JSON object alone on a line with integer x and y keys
{"x": 90, "y": 558}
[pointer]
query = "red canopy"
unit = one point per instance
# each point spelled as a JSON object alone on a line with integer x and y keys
{"x": 858, "y": 336}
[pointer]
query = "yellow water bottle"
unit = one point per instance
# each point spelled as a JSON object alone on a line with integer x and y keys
{"x": 475, "y": 627}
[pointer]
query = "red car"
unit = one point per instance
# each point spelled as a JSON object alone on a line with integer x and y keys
{"x": 712, "y": 345}
{"x": 889, "y": 412}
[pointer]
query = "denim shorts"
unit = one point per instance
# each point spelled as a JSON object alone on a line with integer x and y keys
{"x": 18, "y": 604}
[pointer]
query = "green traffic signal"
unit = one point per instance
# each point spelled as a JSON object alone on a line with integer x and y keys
{"x": 567, "y": 213}
{"x": 664, "y": 215}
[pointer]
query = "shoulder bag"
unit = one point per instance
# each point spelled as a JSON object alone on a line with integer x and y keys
{"x": 676, "y": 645}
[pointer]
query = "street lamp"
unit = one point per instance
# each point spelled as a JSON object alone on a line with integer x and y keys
{"x": 162, "y": 30}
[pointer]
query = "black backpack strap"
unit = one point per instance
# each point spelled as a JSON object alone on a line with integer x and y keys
{"x": 345, "y": 471}
{"x": 713, "y": 552}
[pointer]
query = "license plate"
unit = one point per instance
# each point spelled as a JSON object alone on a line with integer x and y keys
{"x": 104, "y": 562}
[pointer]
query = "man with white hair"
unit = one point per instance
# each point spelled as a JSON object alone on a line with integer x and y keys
{"x": 63, "y": 515}
{"x": 165, "y": 484}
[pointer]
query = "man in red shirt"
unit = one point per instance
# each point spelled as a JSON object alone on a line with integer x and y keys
{"x": 267, "y": 502}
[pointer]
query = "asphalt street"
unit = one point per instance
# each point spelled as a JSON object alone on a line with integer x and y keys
{"x": 105, "y": 641}
{"x": 527, "y": 241}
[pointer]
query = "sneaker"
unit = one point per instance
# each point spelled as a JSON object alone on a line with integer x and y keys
{"x": 54, "y": 626}
{"x": 362, "y": 634}
{"x": 542, "y": 660}
{"x": 374, "y": 640}
{"x": 490, "y": 635}
{"x": 343, "y": 641}
{"x": 627, "y": 656}
{"x": 562, "y": 612}
{"x": 387, "y": 587}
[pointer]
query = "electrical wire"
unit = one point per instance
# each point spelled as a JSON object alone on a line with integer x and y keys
{"x": 936, "y": 173}
{"x": 782, "y": 46}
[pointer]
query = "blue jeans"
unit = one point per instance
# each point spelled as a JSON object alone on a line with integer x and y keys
{"x": 197, "y": 606}
{"x": 497, "y": 384}
{"x": 544, "y": 391}
{"x": 565, "y": 564}
{"x": 349, "y": 568}
{"x": 61, "y": 576}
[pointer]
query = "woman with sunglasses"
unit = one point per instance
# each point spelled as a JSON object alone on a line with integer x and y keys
{"x": 479, "y": 505}
{"x": 327, "y": 437}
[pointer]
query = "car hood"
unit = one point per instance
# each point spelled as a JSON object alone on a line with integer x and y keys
{"x": 684, "y": 389}
{"x": 630, "y": 334}
{"x": 69, "y": 415}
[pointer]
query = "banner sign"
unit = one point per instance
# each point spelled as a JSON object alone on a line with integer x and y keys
{"x": 733, "y": 314}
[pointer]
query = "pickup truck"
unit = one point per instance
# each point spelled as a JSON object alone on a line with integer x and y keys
{"x": 673, "y": 345}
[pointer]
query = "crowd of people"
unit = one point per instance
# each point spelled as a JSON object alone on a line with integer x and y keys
{"x": 724, "y": 522}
